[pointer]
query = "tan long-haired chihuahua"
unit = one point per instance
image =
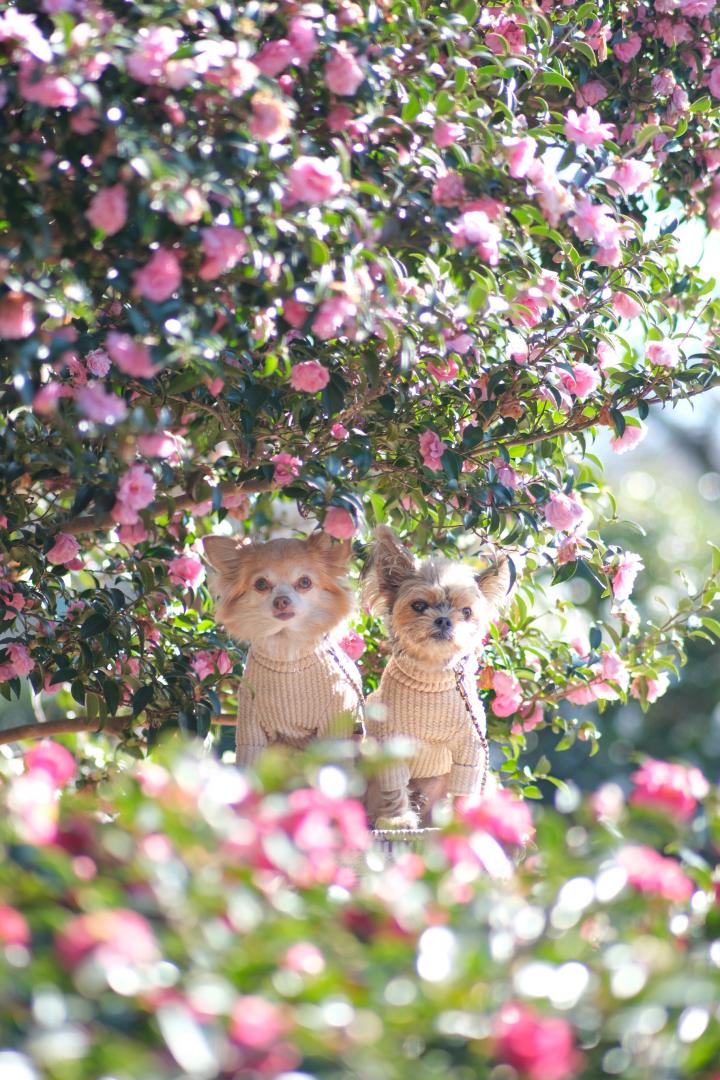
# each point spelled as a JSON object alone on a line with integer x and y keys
{"x": 287, "y": 598}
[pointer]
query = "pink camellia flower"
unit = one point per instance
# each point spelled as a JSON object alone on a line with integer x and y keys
{"x": 714, "y": 81}
{"x": 314, "y": 180}
{"x": 508, "y": 694}
{"x": 624, "y": 575}
{"x": 64, "y": 550}
{"x": 131, "y": 356}
{"x": 628, "y": 48}
{"x": 132, "y": 535}
{"x": 14, "y": 929}
{"x": 52, "y": 759}
{"x": 352, "y": 644}
{"x": 32, "y": 803}
{"x": 650, "y": 872}
{"x": 111, "y": 937}
{"x": 270, "y": 121}
{"x": 340, "y": 523}
{"x": 295, "y": 313}
{"x": 563, "y": 512}
{"x": 100, "y": 406}
{"x": 160, "y": 444}
{"x": 206, "y": 663}
{"x": 98, "y": 363}
{"x": 607, "y": 355}
{"x": 631, "y": 436}
{"x": 343, "y": 72}
{"x": 587, "y": 128}
{"x": 51, "y": 91}
{"x": 309, "y": 376}
{"x": 21, "y": 661}
{"x": 624, "y": 306}
{"x": 582, "y": 382}
{"x": 654, "y": 688}
{"x": 332, "y": 316}
{"x": 669, "y": 788}
{"x": 186, "y": 570}
{"x": 432, "y": 449}
{"x": 445, "y": 133}
{"x": 475, "y": 227}
{"x": 632, "y": 175}
{"x": 594, "y": 221}
{"x": 159, "y": 278}
{"x": 287, "y": 468}
{"x": 449, "y": 190}
{"x": 274, "y": 57}
{"x": 608, "y": 802}
{"x": 305, "y": 958}
{"x": 223, "y": 247}
{"x": 506, "y": 36}
{"x": 663, "y": 353}
{"x": 519, "y": 154}
{"x": 339, "y": 431}
{"x": 538, "y": 1047}
{"x": 302, "y": 37}
{"x": 148, "y": 62}
{"x": 136, "y": 488}
{"x": 16, "y": 316}
{"x": 108, "y": 209}
{"x": 500, "y": 813}
{"x": 590, "y": 93}
{"x": 256, "y": 1023}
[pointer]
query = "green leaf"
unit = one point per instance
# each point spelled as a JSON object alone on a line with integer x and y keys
{"x": 141, "y": 698}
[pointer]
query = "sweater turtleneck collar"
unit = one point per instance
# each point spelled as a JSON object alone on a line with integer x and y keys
{"x": 418, "y": 676}
{"x": 301, "y": 662}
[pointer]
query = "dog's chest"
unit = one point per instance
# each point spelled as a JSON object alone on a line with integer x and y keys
{"x": 297, "y": 697}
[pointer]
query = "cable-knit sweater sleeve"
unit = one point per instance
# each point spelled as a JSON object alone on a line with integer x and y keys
{"x": 467, "y": 761}
{"x": 250, "y": 739}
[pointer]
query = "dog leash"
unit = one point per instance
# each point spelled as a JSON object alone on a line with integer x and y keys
{"x": 351, "y": 676}
{"x": 459, "y": 672}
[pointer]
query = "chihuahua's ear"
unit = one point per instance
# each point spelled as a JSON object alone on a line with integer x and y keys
{"x": 225, "y": 553}
{"x": 389, "y": 565}
{"x": 337, "y": 553}
{"x": 495, "y": 581}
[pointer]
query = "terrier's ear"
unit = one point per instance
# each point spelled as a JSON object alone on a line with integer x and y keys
{"x": 336, "y": 553}
{"x": 388, "y": 566}
{"x": 495, "y": 581}
{"x": 225, "y": 553}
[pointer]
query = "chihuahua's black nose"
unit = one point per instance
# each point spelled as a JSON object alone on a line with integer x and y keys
{"x": 281, "y": 603}
{"x": 443, "y": 623}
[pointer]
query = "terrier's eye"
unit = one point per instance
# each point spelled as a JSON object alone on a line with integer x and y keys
{"x": 303, "y": 583}
{"x": 419, "y": 606}
{"x": 262, "y": 584}
{"x": 467, "y": 612}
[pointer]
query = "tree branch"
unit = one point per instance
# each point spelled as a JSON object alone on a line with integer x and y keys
{"x": 65, "y": 726}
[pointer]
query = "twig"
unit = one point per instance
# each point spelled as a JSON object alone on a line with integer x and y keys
{"x": 67, "y": 726}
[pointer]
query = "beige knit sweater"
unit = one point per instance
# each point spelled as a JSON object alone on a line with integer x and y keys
{"x": 428, "y": 707}
{"x": 294, "y": 701}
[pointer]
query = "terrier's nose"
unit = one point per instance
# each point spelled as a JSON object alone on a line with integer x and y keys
{"x": 443, "y": 623}
{"x": 281, "y": 603}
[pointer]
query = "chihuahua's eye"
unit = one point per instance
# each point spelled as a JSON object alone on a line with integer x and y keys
{"x": 303, "y": 583}
{"x": 467, "y": 612}
{"x": 262, "y": 584}
{"x": 419, "y": 606}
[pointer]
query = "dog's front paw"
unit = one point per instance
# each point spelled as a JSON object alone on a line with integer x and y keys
{"x": 409, "y": 820}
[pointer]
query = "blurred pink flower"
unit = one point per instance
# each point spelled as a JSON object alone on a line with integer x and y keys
{"x": 314, "y": 180}
{"x": 136, "y": 488}
{"x": 111, "y": 937}
{"x": 339, "y": 431}
{"x": 632, "y": 175}
{"x": 108, "y": 209}
{"x": 309, "y": 376}
{"x": 216, "y": 663}
{"x": 148, "y": 62}
{"x": 256, "y": 1023}
{"x": 624, "y": 306}
{"x": 628, "y": 48}
{"x": 594, "y": 221}
{"x": 508, "y": 694}
{"x": 16, "y": 316}
{"x": 538, "y": 1047}
{"x": 519, "y": 154}
{"x": 445, "y": 133}
{"x": 64, "y": 550}
{"x": 159, "y": 278}
{"x": 332, "y": 316}
{"x": 295, "y": 313}
{"x": 99, "y": 405}
{"x": 31, "y": 800}
{"x": 21, "y": 662}
{"x": 587, "y": 128}
{"x": 631, "y": 436}
{"x": 223, "y": 247}
{"x": 590, "y": 93}
{"x": 98, "y": 363}
{"x": 302, "y": 37}
{"x": 186, "y": 570}
{"x": 654, "y": 687}
{"x": 650, "y": 872}
{"x": 52, "y": 759}
{"x": 564, "y": 512}
{"x": 352, "y": 644}
{"x": 339, "y": 522}
{"x": 270, "y": 121}
{"x": 14, "y": 929}
{"x": 432, "y": 449}
{"x": 663, "y": 353}
{"x": 474, "y": 227}
{"x": 131, "y": 356}
{"x": 343, "y": 72}
{"x": 624, "y": 575}
{"x": 583, "y": 381}
{"x": 287, "y": 468}
{"x": 608, "y": 802}
{"x": 52, "y": 91}
{"x": 500, "y": 813}
{"x": 669, "y": 788}
{"x": 449, "y": 190}
{"x": 275, "y": 56}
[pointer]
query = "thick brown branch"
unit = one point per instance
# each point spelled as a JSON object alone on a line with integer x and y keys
{"x": 65, "y": 726}
{"x": 90, "y": 523}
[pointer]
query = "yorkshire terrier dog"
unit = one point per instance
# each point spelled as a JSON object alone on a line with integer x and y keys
{"x": 286, "y": 597}
{"x": 437, "y": 612}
